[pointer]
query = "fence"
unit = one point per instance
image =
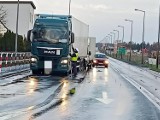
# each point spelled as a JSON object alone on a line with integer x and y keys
{"x": 14, "y": 61}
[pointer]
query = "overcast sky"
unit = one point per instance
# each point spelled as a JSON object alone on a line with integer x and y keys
{"x": 103, "y": 16}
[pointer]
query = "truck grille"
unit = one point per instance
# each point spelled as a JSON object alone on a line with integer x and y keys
{"x": 46, "y": 52}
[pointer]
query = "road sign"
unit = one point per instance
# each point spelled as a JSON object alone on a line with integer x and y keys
{"x": 121, "y": 50}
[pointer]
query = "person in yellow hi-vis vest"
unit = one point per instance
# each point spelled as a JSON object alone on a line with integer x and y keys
{"x": 74, "y": 58}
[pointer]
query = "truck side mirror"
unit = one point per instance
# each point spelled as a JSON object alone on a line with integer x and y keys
{"x": 29, "y": 35}
{"x": 89, "y": 53}
{"x": 72, "y": 37}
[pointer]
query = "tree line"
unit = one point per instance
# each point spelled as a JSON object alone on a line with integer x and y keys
{"x": 7, "y": 43}
{"x": 134, "y": 46}
{"x": 7, "y": 40}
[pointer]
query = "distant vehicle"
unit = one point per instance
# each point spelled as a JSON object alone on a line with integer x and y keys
{"x": 52, "y": 38}
{"x": 100, "y": 60}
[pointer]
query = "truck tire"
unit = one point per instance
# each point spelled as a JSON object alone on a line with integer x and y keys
{"x": 37, "y": 72}
{"x": 65, "y": 73}
{"x": 34, "y": 72}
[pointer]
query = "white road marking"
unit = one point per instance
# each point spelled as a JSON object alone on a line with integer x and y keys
{"x": 105, "y": 98}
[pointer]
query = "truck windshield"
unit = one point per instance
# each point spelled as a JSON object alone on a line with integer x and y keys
{"x": 52, "y": 34}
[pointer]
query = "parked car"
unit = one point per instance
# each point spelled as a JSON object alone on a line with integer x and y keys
{"x": 100, "y": 59}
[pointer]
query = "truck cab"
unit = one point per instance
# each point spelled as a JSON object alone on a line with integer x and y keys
{"x": 51, "y": 38}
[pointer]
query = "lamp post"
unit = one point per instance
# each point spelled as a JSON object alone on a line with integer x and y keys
{"x": 142, "y": 33}
{"x": 123, "y": 32}
{"x": 114, "y": 35}
{"x": 16, "y": 38}
{"x": 106, "y": 38}
{"x": 111, "y": 42}
{"x": 157, "y": 61}
{"x": 131, "y": 21}
{"x": 115, "y": 41}
{"x": 118, "y": 34}
{"x": 69, "y": 7}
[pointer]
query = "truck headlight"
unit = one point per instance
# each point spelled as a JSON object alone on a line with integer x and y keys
{"x": 64, "y": 61}
{"x": 33, "y": 59}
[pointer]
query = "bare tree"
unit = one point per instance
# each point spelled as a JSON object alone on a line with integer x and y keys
{"x": 3, "y": 15}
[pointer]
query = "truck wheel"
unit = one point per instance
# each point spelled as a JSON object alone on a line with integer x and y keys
{"x": 37, "y": 72}
{"x": 34, "y": 72}
{"x": 65, "y": 73}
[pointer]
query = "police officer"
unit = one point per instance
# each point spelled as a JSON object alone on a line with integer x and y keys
{"x": 74, "y": 58}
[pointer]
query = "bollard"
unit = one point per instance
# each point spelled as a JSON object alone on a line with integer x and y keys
{"x": 16, "y": 59}
{"x": 6, "y": 62}
{"x": 1, "y": 62}
{"x": 11, "y": 61}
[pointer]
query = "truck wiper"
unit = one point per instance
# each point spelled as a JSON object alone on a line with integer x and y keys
{"x": 43, "y": 40}
{"x": 48, "y": 41}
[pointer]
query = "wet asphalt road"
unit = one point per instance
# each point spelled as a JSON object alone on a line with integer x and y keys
{"x": 103, "y": 95}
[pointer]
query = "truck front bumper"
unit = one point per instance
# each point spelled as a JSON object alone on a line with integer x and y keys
{"x": 58, "y": 68}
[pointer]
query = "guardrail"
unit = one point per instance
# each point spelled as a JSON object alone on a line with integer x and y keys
{"x": 10, "y": 61}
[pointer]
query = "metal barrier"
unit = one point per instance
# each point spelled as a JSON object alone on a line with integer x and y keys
{"x": 10, "y": 61}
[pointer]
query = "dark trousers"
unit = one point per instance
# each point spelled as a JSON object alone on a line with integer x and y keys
{"x": 74, "y": 68}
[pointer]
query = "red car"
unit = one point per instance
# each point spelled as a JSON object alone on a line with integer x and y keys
{"x": 100, "y": 60}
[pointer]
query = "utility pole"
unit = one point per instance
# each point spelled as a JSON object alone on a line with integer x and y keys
{"x": 111, "y": 42}
{"x": 69, "y": 7}
{"x": 142, "y": 33}
{"x": 16, "y": 39}
{"x": 131, "y": 21}
{"x": 123, "y": 32}
{"x": 157, "y": 61}
{"x": 122, "y": 39}
{"x": 117, "y": 35}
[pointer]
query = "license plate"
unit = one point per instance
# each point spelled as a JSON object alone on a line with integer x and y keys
{"x": 58, "y": 52}
{"x": 48, "y": 64}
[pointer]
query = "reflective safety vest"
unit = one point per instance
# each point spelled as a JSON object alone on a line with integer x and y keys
{"x": 74, "y": 58}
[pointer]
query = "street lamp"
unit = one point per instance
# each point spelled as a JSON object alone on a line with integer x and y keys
{"x": 16, "y": 38}
{"x": 123, "y": 32}
{"x": 131, "y": 21}
{"x": 118, "y": 34}
{"x": 115, "y": 41}
{"x": 106, "y": 43}
{"x": 103, "y": 40}
{"x": 114, "y": 35}
{"x": 69, "y": 7}
{"x": 157, "y": 61}
{"x": 106, "y": 38}
{"x": 110, "y": 37}
{"x": 111, "y": 42}
{"x": 142, "y": 33}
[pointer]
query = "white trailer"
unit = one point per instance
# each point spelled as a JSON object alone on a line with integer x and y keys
{"x": 81, "y": 33}
{"x": 92, "y": 47}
